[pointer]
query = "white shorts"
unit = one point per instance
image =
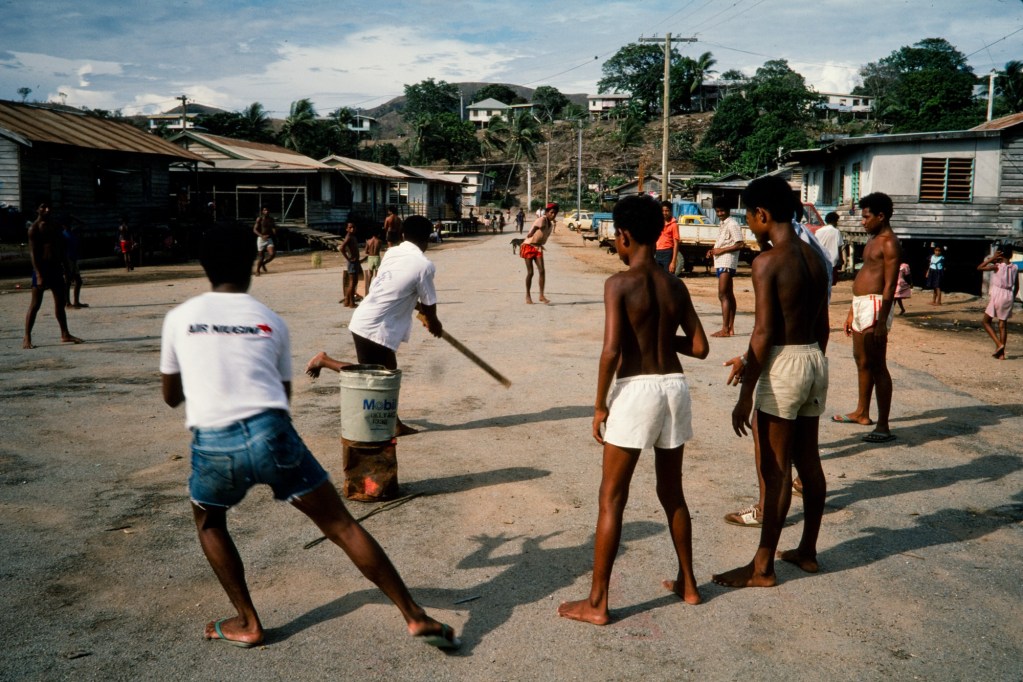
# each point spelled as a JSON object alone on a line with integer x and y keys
{"x": 794, "y": 382}
{"x": 650, "y": 410}
{"x": 866, "y": 310}
{"x": 263, "y": 243}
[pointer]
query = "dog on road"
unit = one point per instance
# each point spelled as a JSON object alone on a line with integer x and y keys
{"x": 516, "y": 243}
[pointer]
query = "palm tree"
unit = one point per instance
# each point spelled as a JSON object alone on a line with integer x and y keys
{"x": 700, "y": 69}
{"x": 521, "y": 136}
{"x": 300, "y": 122}
{"x": 492, "y": 141}
{"x": 1009, "y": 85}
{"x": 255, "y": 123}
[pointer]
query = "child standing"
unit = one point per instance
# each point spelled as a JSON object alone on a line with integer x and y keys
{"x": 903, "y": 287}
{"x": 228, "y": 358}
{"x": 1002, "y": 292}
{"x": 649, "y": 405}
{"x": 935, "y": 273}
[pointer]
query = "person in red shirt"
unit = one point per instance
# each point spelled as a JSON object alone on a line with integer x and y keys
{"x": 666, "y": 248}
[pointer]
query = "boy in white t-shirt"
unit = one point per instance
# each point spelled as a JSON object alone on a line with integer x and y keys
{"x": 403, "y": 284}
{"x": 228, "y": 358}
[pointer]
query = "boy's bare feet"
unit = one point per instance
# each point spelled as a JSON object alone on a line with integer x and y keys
{"x": 544, "y": 299}
{"x": 721, "y": 333}
{"x": 744, "y": 576}
{"x": 529, "y": 300}
{"x": 1000, "y": 353}
{"x": 67, "y": 338}
{"x": 27, "y": 343}
{"x": 583, "y": 611}
{"x": 315, "y": 365}
{"x": 234, "y": 633}
{"x": 794, "y": 556}
{"x": 689, "y": 593}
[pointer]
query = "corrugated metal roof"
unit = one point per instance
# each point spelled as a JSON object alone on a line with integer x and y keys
{"x": 39, "y": 124}
{"x": 428, "y": 174}
{"x": 367, "y": 168}
{"x": 1001, "y": 123}
{"x": 258, "y": 155}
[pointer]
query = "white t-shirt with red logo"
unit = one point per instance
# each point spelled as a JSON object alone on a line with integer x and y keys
{"x": 233, "y": 354}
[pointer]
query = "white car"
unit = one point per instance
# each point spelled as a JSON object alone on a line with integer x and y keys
{"x": 579, "y": 221}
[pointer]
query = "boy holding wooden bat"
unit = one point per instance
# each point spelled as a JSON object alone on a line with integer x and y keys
{"x": 403, "y": 284}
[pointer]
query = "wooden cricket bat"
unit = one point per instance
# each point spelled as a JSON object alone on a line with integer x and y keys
{"x": 477, "y": 360}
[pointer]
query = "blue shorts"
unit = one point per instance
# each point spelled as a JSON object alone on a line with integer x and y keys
{"x": 227, "y": 461}
{"x": 730, "y": 271}
{"x": 663, "y": 257}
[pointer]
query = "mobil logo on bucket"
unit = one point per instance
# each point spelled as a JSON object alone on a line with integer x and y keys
{"x": 369, "y": 402}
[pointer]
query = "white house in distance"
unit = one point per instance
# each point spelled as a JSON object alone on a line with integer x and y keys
{"x": 474, "y": 185}
{"x": 600, "y": 106}
{"x": 857, "y": 105}
{"x": 481, "y": 112}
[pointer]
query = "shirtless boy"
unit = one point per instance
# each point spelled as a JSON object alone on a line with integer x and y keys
{"x": 265, "y": 229}
{"x": 228, "y": 358}
{"x": 373, "y": 246}
{"x": 649, "y": 405}
{"x": 785, "y": 364}
{"x": 870, "y": 317}
{"x": 392, "y": 226}
{"x": 532, "y": 249}
{"x": 350, "y": 251}
{"x": 46, "y": 250}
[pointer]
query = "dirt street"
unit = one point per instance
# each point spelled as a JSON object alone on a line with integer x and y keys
{"x": 103, "y": 579}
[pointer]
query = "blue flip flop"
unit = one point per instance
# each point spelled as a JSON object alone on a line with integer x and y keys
{"x": 233, "y": 642}
{"x": 445, "y": 640}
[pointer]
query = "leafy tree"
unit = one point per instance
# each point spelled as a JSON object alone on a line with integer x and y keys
{"x": 385, "y": 153}
{"x": 444, "y": 136}
{"x": 701, "y": 68}
{"x": 430, "y": 98}
{"x": 521, "y": 136}
{"x": 629, "y": 133}
{"x": 499, "y": 91}
{"x": 922, "y": 88}
{"x": 255, "y": 124}
{"x": 225, "y": 123}
{"x": 549, "y": 102}
{"x": 346, "y": 140}
{"x": 300, "y": 127}
{"x": 733, "y": 75}
{"x": 774, "y": 110}
{"x": 639, "y": 70}
{"x": 1009, "y": 86}
{"x": 24, "y": 92}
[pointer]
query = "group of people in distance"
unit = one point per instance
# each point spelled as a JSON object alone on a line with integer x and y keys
{"x": 227, "y": 357}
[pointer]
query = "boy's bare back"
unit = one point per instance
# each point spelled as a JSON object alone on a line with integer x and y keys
{"x": 791, "y": 285}
{"x": 645, "y": 307}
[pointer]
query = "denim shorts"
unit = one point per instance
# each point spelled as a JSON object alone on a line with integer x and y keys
{"x": 721, "y": 271}
{"x": 227, "y": 461}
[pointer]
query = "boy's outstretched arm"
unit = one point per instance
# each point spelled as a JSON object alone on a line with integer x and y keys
{"x": 173, "y": 391}
{"x": 609, "y": 354}
{"x": 693, "y": 342}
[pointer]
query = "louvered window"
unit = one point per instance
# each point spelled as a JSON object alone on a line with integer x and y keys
{"x": 946, "y": 180}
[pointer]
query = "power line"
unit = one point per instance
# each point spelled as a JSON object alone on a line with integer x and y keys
{"x": 996, "y": 41}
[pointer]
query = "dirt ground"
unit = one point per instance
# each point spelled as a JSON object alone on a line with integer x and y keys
{"x": 103, "y": 577}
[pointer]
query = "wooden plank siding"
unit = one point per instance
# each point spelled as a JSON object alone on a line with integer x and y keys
{"x": 10, "y": 181}
{"x": 914, "y": 220}
{"x": 1011, "y": 189}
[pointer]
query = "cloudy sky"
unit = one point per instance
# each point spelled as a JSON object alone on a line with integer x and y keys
{"x": 138, "y": 56}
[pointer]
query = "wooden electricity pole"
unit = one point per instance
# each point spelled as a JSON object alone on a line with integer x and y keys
{"x": 666, "y": 108}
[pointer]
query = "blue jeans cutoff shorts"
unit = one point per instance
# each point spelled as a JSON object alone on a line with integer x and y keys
{"x": 265, "y": 448}
{"x": 721, "y": 271}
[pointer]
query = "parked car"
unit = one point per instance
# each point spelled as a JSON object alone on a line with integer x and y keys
{"x": 579, "y": 221}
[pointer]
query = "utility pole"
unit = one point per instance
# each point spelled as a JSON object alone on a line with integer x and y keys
{"x": 666, "y": 107}
{"x": 184, "y": 110}
{"x": 547, "y": 173}
{"x": 529, "y": 188}
{"x": 579, "y": 173}
{"x": 991, "y": 93}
